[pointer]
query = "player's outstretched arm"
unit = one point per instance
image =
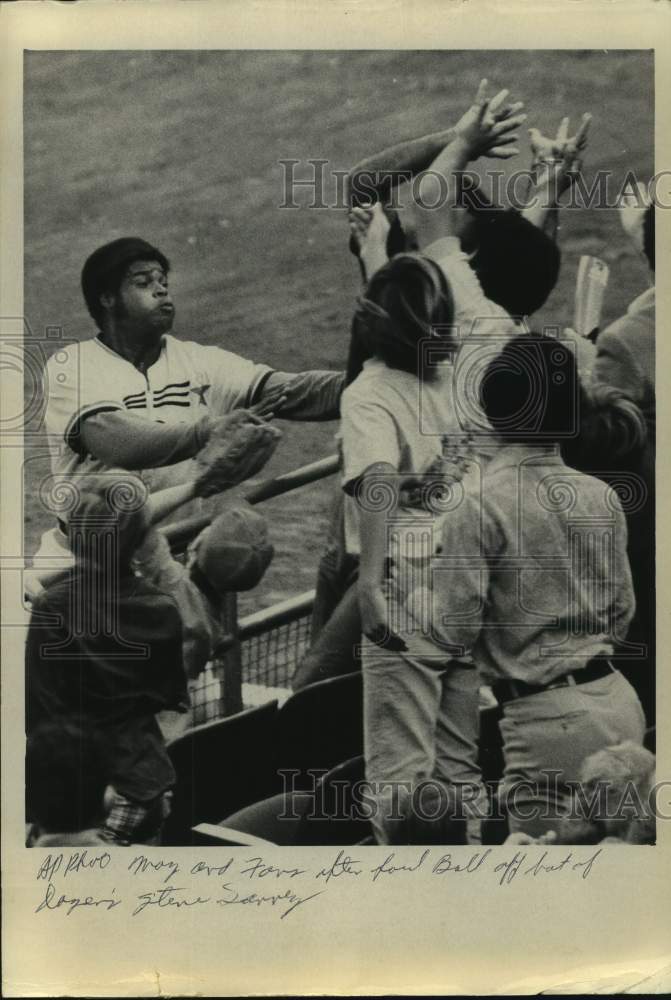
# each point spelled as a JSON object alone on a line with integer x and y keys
{"x": 127, "y": 441}
{"x": 309, "y": 396}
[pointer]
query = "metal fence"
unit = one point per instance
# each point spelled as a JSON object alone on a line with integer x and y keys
{"x": 271, "y": 645}
{"x": 263, "y": 648}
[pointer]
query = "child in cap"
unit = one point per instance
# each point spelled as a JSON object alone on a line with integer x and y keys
{"x": 105, "y": 646}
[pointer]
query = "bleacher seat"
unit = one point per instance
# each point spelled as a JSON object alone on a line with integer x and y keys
{"x": 321, "y": 726}
{"x": 221, "y": 766}
{"x": 321, "y": 816}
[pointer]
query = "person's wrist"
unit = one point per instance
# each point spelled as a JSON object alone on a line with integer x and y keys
{"x": 463, "y": 150}
{"x": 446, "y": 136}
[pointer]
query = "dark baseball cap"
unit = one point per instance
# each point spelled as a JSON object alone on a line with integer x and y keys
{"x": 233, "y": 553}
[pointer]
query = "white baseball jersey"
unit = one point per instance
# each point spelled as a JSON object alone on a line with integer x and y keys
{"x": 187, "y": 381}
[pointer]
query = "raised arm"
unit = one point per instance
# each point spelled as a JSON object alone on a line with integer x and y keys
{"x": 555, "y": 163}
{"x": 374, "y": 178}
{"x": 486, "y": 129}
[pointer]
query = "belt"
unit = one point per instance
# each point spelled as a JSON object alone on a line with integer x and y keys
{"x": 509, "y": 689}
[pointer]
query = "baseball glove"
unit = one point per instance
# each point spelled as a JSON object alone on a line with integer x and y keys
{"x": 239, "y": 447}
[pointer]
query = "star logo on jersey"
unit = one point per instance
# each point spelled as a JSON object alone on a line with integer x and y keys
{"x": 200, "y": 390}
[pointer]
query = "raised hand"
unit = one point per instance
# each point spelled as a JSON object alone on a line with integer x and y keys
{"x": 368, "y": 226}
{"x": 561, "y": 154}
{"x": 547, "y": 150}
{"x": 488, "y": 127}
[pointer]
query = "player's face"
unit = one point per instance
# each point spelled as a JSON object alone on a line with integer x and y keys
{"x": 144, "y": 302}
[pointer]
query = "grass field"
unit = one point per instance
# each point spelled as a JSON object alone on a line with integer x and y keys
{"x": 183, "y": 148}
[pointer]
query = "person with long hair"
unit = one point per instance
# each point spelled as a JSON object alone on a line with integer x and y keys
{"x": 404, "y": 448}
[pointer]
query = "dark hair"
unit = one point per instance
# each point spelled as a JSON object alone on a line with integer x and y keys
{"x": 649, "y": 235}
{"x": 104, "y": 269}
{"x": 612, "y": 434}
{"x": 406, "y": 301}
{"x": 516, "y": 263}
{"x": 65, "y": 776}
{"x": 530, "y": 391}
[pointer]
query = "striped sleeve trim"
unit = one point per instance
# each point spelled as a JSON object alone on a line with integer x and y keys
{"x": 72, "y": 433}
{"x": 256, "y": 387}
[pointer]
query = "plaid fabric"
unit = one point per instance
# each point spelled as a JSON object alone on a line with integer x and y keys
{"x": 131, "y": 822}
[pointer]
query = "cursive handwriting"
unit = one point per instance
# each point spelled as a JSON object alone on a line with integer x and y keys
{"x": 77, "y": 862}
{"x": 50, "y": 902}
{"x": 140, "y": 864}
{"x": 509, "y": 869}
{"x": 446, "y": 864}
{"x": 202, "y": 868}
{"x": 343, "y": 865}
{"x": 540, "y": 865}
{"x": 386, "y": 868}
{"x": 255, "y": 900}
{"x": 259, "y": 869}
{"x": 163, "y": 897}
{"x": 502, "y": 865}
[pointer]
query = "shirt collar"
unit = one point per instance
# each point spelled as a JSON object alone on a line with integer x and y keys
{"x": 114, "y": 354}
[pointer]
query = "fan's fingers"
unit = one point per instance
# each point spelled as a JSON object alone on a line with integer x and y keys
{"x": 508, "y": 110}
{"x": 498, "y": 99}
{"x": 482, "y": 90}
{"x": 506, "y": 140}
{"x": 503, "y": 152}
{"x": 501, "y": 128}
{"x": 562, "y": 131}
{"x": 581, "y": 134}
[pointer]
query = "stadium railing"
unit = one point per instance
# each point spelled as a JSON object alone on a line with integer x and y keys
{"x": 262, "y": 648}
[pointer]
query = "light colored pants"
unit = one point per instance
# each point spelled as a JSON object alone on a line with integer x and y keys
{"x": 554, "y": 731}
{"x": 420, "y": 725}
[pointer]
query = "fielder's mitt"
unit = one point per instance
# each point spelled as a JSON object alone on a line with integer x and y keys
{"x": 238, "y": 448}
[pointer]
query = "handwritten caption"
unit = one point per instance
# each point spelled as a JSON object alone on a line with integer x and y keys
{"x": 256, "y": 884}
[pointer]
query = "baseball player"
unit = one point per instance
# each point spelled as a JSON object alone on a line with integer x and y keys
{"x": 135, "y": 397}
